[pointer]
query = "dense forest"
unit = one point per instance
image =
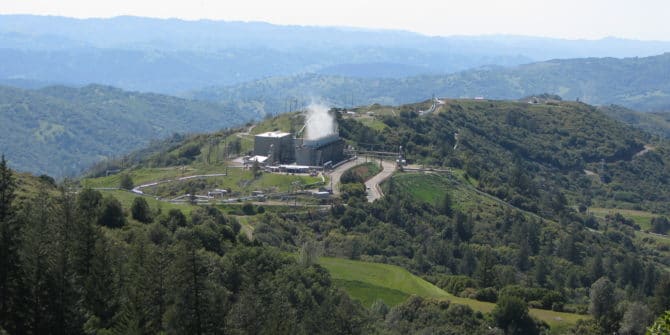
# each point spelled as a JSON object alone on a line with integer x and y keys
{"x": 72, "y": 263}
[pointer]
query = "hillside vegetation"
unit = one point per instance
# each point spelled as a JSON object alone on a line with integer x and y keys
{"x": 61, "y": 131}
{"x": 656, "y": 123}
{"x": 517, "y": 205}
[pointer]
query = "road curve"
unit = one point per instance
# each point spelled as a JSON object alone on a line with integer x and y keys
{"x": 336, "y": 174}
{"x": 372, "y": 185}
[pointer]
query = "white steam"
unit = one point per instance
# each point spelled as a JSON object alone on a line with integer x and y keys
{"x": 319, "y": 122}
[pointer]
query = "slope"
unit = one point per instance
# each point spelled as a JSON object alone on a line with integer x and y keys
{"x": 60, "y": 130}
{"x": 393, "y": 285}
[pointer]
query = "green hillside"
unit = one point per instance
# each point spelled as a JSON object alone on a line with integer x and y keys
{"x": 392, "y": 284}
{"x": 61, "y": 131}
{"x": 657, "y": 123}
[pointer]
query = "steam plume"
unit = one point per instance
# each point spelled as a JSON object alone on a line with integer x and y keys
{"x": 319, "y": 123}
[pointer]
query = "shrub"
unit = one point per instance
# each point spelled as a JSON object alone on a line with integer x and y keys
{"x": 248, "y": 208}
{"x": 456, "y": 284}
{"x": 126, "y": 182}
{"x": 488, "y": 294}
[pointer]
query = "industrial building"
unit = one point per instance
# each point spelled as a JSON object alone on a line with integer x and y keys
{"x": 318, "y": 152}
{"x": 281, "y": 147}
{"x": 277, "y": 146}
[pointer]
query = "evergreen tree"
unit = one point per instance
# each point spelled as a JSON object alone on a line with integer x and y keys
{"x": 67, "y": 299}
{"x": 111, "y": 213}
{"x": 9, "y": 257}
{"x": 485, "y": 273}
{"x": 602, "y": 305}
{"x": 511, "y": 315}
{"x": 37, "y": 266}
{"x": 200, "y": 302}
{"x": 661, "y": 300}
{"x": 141, "y": 210}
{"x": 101, "y": 287}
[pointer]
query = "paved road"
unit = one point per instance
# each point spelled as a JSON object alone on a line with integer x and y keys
{"x": 336, "y": 174}
{"x": 372, "y": 185}
{"x": 138, "y": 189}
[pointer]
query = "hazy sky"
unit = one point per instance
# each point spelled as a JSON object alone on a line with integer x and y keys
{"x": 640, "y": 19}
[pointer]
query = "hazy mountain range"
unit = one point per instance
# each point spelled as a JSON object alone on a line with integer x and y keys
{"x": 172, "y": 56}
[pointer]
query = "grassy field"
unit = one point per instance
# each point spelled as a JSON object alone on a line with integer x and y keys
{"x": 238, "y": 180}
{"x": 368, "y": 282}
{"x": 432, "y": 187}
{"x": 381, "y": 275}
{"x": 372, "y": 122}
{"x": 642, "y": 218}
{"x": 428, "y": 188}
{"x": 126, "y": 198}
{"x": 146, "y": 175}
{"x": 29, "y": 186}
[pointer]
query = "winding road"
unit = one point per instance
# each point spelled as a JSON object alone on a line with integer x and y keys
{"x": 372, "y": 185}
{"x": 336, "y": 174}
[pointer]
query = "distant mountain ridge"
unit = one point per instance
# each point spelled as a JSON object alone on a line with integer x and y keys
{"x": 173, "y": 56}
{"x": 642, "y": 84}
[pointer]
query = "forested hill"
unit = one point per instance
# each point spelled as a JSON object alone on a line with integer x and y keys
{"x": 551, "y": 202}
{"x": 60, "y": 131}
{"x": 642, "y": 84}
{"x": 530, "y": 155}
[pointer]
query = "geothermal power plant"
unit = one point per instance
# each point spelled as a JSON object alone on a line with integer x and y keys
{"x": 321, "y": 144}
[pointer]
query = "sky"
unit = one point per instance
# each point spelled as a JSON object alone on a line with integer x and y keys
{"x": 572, "y": 19}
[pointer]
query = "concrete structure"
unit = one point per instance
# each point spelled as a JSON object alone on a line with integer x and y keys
{"x": 276, "y": 145}
{"x": 282, "y": 148}
{"x": 317, "y": 152}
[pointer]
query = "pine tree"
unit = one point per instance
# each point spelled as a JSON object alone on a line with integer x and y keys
{"x": 7, "y": 188}
{"x": 485, "y": 274}
{"x": 102, "y": 285}
{"x": 141, "y": 210}
{"x": 200, "y": 300}
{"x": 9, "y": 244}
{"x": 189, "y": 273}
{"x": 67, "y": 298}
{"x": 37, "y": 266}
